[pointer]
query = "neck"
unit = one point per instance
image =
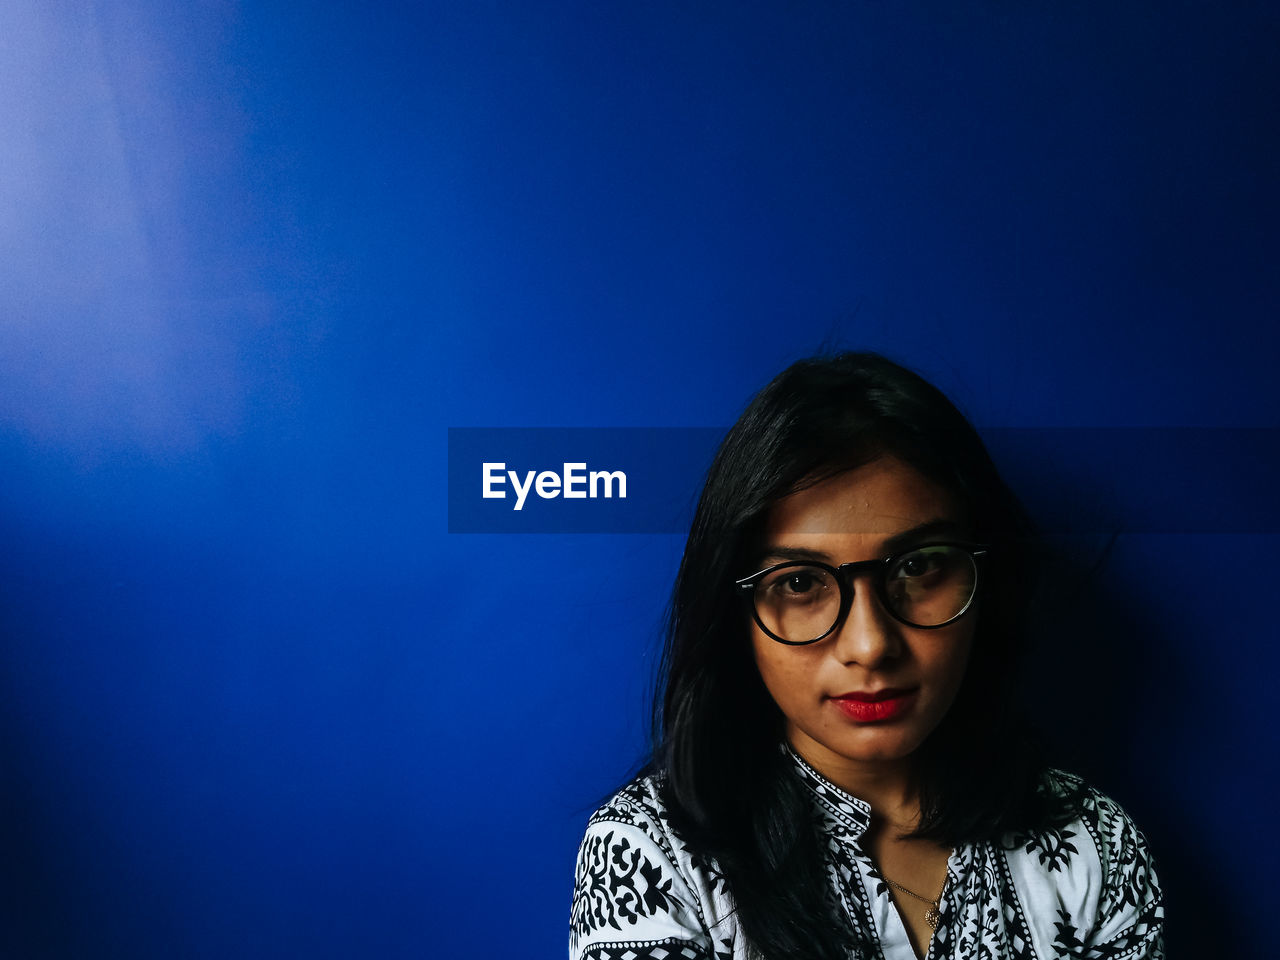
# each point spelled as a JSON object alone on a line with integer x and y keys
{"x": 887, "y": 786}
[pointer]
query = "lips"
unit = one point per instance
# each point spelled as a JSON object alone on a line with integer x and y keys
{"x": 873, "y": 696}
{"x": 874, "y": 706}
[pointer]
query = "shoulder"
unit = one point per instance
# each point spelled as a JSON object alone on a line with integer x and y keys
{"x": 638, "y": 804}
{"x": 636, "y": 884}
{"x": 1110, "y": 839}
{"x": 1092, "y": 871}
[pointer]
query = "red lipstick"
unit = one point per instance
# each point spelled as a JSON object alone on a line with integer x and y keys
{"x": 873, "y": 706}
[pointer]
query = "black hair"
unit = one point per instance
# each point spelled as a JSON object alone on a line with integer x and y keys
{"x": 728, "y": 785}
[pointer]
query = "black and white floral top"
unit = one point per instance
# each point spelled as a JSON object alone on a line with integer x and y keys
{"x": 1087, "y": 890}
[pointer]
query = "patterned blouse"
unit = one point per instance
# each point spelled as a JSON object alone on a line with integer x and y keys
{"x": 1086, "y": 890}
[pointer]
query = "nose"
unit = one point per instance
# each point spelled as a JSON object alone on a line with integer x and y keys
{"x": 868, "y": 636}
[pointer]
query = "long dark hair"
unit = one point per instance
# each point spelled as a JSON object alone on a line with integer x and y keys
{"x": 728, "y": 785}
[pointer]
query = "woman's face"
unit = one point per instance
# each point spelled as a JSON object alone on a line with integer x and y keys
{"x": 867, "y": 513}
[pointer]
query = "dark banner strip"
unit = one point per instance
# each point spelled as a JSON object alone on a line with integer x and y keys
{"x": 1083, "y": 481}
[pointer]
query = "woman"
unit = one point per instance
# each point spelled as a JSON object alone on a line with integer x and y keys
{"x": 838, "y": 770}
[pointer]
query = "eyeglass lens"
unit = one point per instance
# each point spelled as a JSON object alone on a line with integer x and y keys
{"x": 924, "y": 588}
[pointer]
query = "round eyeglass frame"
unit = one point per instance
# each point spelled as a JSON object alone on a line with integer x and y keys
{"x": 844, "y": 575}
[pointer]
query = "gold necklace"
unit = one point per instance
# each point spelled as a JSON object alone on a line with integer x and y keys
{"x": 931, "y": 915}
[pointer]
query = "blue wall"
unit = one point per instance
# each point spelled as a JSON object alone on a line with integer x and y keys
{"x": 255, "y": 701}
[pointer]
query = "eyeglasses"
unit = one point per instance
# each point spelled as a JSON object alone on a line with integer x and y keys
{"x": 804, "y": 601}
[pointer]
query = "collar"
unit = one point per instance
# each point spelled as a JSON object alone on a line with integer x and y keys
{"x": 843, "y": 814}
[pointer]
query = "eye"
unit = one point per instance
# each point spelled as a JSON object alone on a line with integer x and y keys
{"x": 916, "y": 565}
{"x": 796, "y": 585}
{"x": 923, "y": 563}
{"x": 799, "y": 583}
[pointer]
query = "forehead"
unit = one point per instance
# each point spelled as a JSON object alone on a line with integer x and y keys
{"x": 880, "y": 498}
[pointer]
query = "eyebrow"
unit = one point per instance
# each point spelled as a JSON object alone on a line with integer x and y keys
{"x": 894, "y": 544}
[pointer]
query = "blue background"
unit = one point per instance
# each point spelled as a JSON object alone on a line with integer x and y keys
{"x": 255, "y": 701}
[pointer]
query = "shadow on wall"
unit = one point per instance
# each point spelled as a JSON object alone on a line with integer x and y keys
{"x": 1103, "y": 685}
{"x": 37, "y": 883}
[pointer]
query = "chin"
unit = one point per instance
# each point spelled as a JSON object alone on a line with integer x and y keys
{"x": 881, "y": 749}
{"x": 885, "y": 754}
